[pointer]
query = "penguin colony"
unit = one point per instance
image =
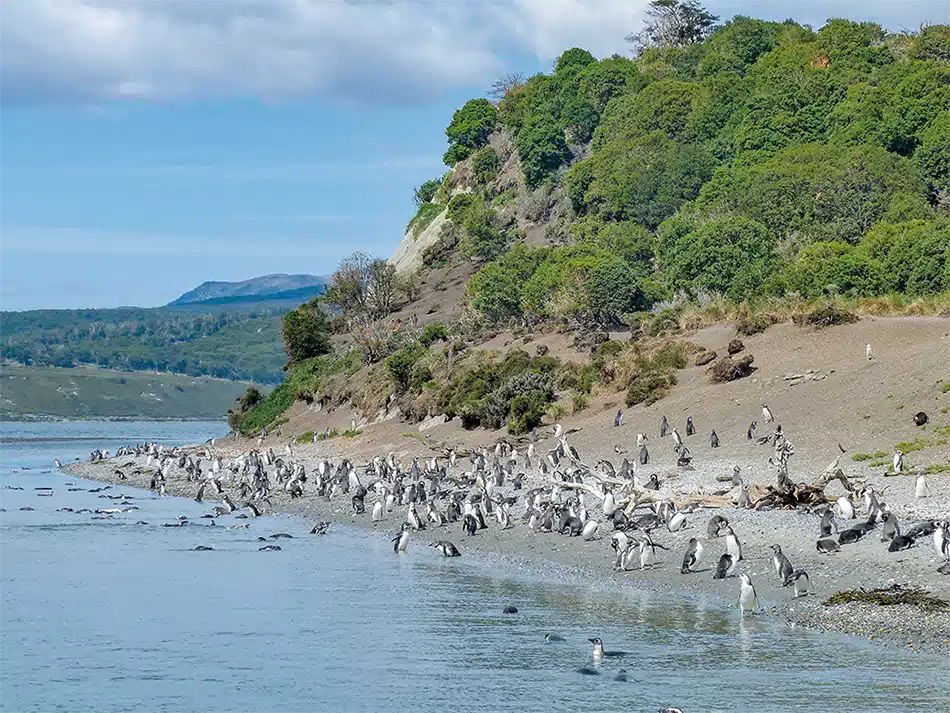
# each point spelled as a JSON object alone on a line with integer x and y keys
{"x": 487, "y": 488}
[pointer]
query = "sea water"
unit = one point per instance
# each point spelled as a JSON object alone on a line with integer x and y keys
{"x": 107, "y": 615}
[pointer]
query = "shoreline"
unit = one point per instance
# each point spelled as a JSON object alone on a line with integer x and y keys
{"x": 866, "y": 564}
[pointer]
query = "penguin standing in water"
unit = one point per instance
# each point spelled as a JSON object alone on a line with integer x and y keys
{"x": 401, "y": 540}
{"x": 690, "y": 430}
{"x": 446, "y": 548}
{"x": 713, "y": 440}
{"x": 799, "y": 578}
{"x": 783, "y": 568}
{"x": 748, "y": 601}
{"x": 694, "y": 553}
{"x": 599, "y": 652}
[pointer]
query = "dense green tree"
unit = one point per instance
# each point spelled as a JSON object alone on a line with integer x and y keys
{"x": 933, "y": 154}
{"x": 573, "y": 60}
{"x": 485, "y": 165}
{"x": 426, "y": 192}
{"x": 470, "y": 129}
{"x": 306, "y": 332}
{"x": 835, "y": 268}
{"x": 542, "y": 149}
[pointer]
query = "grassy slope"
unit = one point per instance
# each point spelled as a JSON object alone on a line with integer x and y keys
{"x": 86, "y": 392}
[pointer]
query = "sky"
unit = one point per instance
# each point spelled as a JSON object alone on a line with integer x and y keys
{"x": 149, "y": 145}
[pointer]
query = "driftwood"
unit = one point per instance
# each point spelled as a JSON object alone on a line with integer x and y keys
{"x": 788, "y": 494}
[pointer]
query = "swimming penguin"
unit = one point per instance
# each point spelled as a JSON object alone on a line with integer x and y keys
{"x": 827, "y": 523}
{"x": 713, "y": 440}
{"x": 618, "y": 419}
{"x": 748, "y": 601}
{"x": 922, "y": 488}
{"x": 783, "y": 568}
{"x": 799, "y": 578}
{"x": 621, "y": 676}
{"x": 898, "y": 461}
{"x": 446, "y": 548}
{"x": 401, "y": 540}
{"x": 553, "y": 637}
{"x": 269, "y": 548}
{"x": 587, "y": 671}
{"x": 510, "y": 610}
{"x": 694, "y": 553}
{"x": 599, "y": 652}
{"x": 690, "y": 430}
{"x": 827, "y": 546}
{"x": 726, "y": 567}
{"x": 664, "y": 427}
{"x": 203, "y": 548}
{"x": 320, "y": 528}
{"x": 750, "y": 433}
{"x": 733, "y": 546}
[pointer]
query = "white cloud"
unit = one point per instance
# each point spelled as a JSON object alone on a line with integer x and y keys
{"x": 91, "y": 51}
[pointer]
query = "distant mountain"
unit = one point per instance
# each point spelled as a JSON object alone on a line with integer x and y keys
{"x": 254, "y": 290}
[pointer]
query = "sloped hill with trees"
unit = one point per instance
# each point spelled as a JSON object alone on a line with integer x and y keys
{"x": 751, "y": 171}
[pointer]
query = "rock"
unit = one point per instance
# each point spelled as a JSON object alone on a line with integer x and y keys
{"x": 433, "y": 422}
{"x": 726, "y": 369}
{"x": 735, "y": 346}
{"x": 542, "y": 349}
{"x": 705, "y": 357}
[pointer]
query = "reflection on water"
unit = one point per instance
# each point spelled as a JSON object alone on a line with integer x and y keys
{"x": 104, "y": 615}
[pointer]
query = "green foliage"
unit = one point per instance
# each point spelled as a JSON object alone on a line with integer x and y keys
{"x": 833, "y": 268}
{"x": 732, "y": 255}
{"x": 470, "y": 129}
{"x": 541, "y": 148}
{"x": 462, "y": 206}
{"x": 483, "y": 241}
{"x": 400, "y": 366}
{"x": 250, "y": 398}
{"x": 426, "y": 192}
{"x": 573, "y": 59}
{"x": 305, "y": 437}
{"x": 933, "y": 154}
{"x": 495, "y": 292}
{"x": 579, "y": 402}
{"x": 859, "y": 457}
{"x": 932, "y": 43}
{"x": 432, "y": 333}
{"x": 424, "y": 216}
{"x": 486, "y": 163}
{"x": 306, "y": 332}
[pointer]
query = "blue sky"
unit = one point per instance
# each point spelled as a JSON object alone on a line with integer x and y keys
{"x": 148, "y": 146}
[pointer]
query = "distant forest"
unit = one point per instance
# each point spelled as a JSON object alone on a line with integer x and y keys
{"x": 243, "y": 346}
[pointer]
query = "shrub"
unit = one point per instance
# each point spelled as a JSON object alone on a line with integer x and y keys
{"x": 541, "y": 148}
{"x": 426, "y": 192}
{"x": 400, "y": 364}
{"x": 649, "y": 387}
{"x": 424, "y": 216}
{"x": 526, "y": 412}
{"x": 306, "y": 332}
{"x": 470, "y": 129}
{"x": 579, "y": 402}
{"x": 485, "y": 165}
{"x": 434, "y": 332}
{"x": 482, "y": 240}
{"x": 835, "y": 268}
{"x": 754, "y": 324}
{"x": 726, "y": 369}
{"x": 305, "y": 437}
{"x": 829, "y": 315}
{"x": 462, "y": 206}
{"x": 497, "y": 406}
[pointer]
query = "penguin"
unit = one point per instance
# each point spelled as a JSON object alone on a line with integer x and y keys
{"x": 940, "y": 537}
{"x": 733, "y": 546}
{"x": 587, "y": 671}
{"x": 748, "y": 601}
{"x": 203, "y": 548}
{"x": 750, "y": 434}
{"x": 716, "y": 522}
{"x": 469, "y": 525}
{"x": 446, "y": 548}
{"x": 320, "y": 528}
{"x": 867, "y": 351}
{"x": 693, "y": 556}
{"x": 713, "y": 440}
{"x": 647, "y": 553}
{"x": 677, "y": 438}
{"x": 553, "y": 638}
{"x": 726, "y": 567}
{"x": 590, "y": 529}
{"x": 621, "y": 676}
{"x": 845, "y": 508}
{"x": 641, "y": 439}
{"x": 599, "y": 652}
{"x": 269, "y": 548}
{"x": 664, "y": 427}
{"x": 891, "y": 527}
{"x": 618, "y": 419}
{"x": 783, "y": 568}
{"x": 767, "y": 414}
{"x": 644, "y": 456}
{"x": 377, "y": 511}
{"x": 401, "y": 540}
{"x": 827, "y": 523}
{"x": 798, "y": 578}
{"x": 676, "y": 523}
{"x": 745, "y": 500}
{"x": 944, "y": 568}
{"x": 827, "y": 546}
{"x": 898, "y": 461}
{"x": 900, "y": 542}
{"x": 690, "y": 430}
{"x": 922, "y": 489}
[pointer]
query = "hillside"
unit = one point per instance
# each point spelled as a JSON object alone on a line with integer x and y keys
{"x": 753, "y": 174}
{"x": 28, "y": 393}
{"x": 267, "y": 287}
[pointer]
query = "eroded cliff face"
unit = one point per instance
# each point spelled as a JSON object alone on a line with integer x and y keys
{"x": 408, "y": 255}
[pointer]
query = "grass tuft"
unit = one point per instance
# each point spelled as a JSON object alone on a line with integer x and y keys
{"x": 889, "y": 596}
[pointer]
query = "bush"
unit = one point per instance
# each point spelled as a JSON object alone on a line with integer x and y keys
{"x": 754, "y": 324}
{"x": 434, "y": 332}
{"x": 423, "y": 218}
{"x": 482, "y": 240}
{"x": 649, "y": 387}
{"x": 462, "y": 206}
{"x": 306, "y": 332}
{"x": 542, "y": 149}
{"x": 829, "y": 316}
{"x": 835, "y": 269}
{"x": 579, "y": 402}
{"x": 426, "y": 192}
{"x": 497, "y": 406}
{"x": 726, "y": 369}
{"x": 485, "y": 166}
{"x": 400, "y": 364}
{"x": 526, "y": 412}
{"x": 470, "y": 129}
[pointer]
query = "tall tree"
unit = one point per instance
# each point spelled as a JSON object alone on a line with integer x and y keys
{"x": 673, "y": 23}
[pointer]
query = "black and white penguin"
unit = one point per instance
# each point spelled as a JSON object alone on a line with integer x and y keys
{"x": 783, "y": 568}
{"x": 733, "y": 546}
{"x": 693, "y": 556}
{"x": 644, "y": 456}
{"x": 713, "y": 440}
{"x": 618, "y": 419}
{"x": 827, "y": 546}
{"x": 900, "y": 542}
{"x": 446, "y": 548}
{"x": 203, "y": 548}
{"x": 401, "y": 540}
{"x": 716, "y": 523}
{"x": 748, "y": 600}
{"x": 767, "y": 414}
{"x": 553, "y": 638}
{"x": 320, "y": 528}
{"x": 845, "y": 508}
{"x": 469, "y": 525}
{"x": 750, "y": 433}
{"x": 726, "y": 567}
{"x": 664, "y": 427}
{"x": 269, "y": 548}
{"x": 799, "y": 578}
{"x": 827, "y": 523}
{"x": 891, "y": 527}
{"x": 690, "y": 429}
{"x": 599, "y": 652}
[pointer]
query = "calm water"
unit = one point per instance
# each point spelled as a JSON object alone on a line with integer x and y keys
{"x": 109, "y": 616}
